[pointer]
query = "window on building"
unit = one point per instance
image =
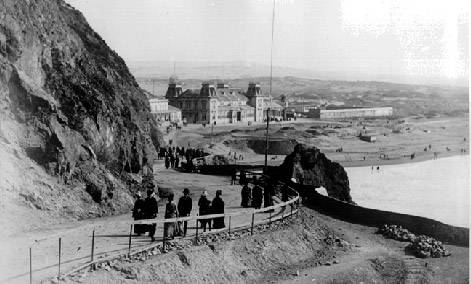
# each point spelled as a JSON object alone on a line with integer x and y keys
{"x": 203, "y": 105}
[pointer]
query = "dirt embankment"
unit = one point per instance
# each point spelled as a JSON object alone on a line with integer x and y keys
{"x": 269, "y": 254}
{"x": 310, "y": 246}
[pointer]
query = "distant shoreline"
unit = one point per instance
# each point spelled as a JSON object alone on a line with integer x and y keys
{"x": 420, "y": 158}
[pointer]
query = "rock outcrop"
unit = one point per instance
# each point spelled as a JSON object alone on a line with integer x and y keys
{"x": 69, "y": 103}
{"x": 309, "y": 166}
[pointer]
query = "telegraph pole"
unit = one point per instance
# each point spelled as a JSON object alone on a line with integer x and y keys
{"x": 271, "y": 79}
{"x": 266, "y": 141}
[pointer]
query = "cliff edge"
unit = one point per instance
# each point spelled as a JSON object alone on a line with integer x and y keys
{"x": 76, "y": 129}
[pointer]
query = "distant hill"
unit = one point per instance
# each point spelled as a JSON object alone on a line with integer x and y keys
{"x": 239, "y": 69}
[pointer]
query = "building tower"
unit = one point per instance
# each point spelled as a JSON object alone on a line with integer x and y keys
{"x": 254, "y": 94}
{"x": 174, "y": 89}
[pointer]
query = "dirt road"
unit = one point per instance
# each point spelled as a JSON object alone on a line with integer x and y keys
{"x": 111, "y": 233}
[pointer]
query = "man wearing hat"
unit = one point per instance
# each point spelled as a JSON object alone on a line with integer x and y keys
{"x": 184, "y": 207}
{"x": 217, "y": 207}
{"x": 139, "y": 214}
{"x": 151, "y": 209}
{"x": 204, "y": 209}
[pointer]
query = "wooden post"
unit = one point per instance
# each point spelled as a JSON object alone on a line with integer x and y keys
{"x": 251, "y": 227}
{"x": 129, "y": 244}
{"x": 163, "y": 238}
{"x": 30, "y": 266}
{"x": 196, "y": 238}
{"x": 230, "y": 224}
{"x": 93, "y": 248}
{"x": 60, "y": 252}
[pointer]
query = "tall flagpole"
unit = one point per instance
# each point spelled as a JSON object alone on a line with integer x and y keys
{"x": 271, "y": 79}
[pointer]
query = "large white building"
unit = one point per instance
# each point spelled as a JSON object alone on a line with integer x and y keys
{"x": 221, "y": 104}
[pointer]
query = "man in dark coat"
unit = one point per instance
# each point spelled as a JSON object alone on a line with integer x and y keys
{"x": 245, "y": 196}
{"x": 151, "y": 209}
{"x": 284, "y": 193}
{"x": 234, "y": 177}
{"x": 167, "y": 161}
{"x": 172, "y": 160}
{"x": 204, "y": 209}
{"x": 184, "y": 207}
{"x": 139, "y": 214}
{"x": 243, "y": 177}
{"x": 177, "y": 161}
{"x": 267, "y": 194}
{"x": 217, "y": 207}
{"x": 257, "y": 196}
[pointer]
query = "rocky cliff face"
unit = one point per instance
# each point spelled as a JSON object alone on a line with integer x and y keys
{"x": 69, "y": 103}
{"x": 311, "y": 167}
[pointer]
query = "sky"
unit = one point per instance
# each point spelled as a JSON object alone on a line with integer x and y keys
{"x": 417, "y": 38}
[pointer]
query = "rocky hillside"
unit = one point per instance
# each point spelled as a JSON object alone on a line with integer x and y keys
{"x": 309, "y": 166}
{"x": 75, "y": 126}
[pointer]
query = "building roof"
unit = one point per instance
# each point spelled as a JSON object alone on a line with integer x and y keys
{"x": 173, "y": 109}
{"x": 274, "y": 105}
{"x": 230, "y": 94}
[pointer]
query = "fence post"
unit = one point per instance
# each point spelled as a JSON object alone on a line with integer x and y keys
{"x": 251, "y": 227}
{"x": 196, "y": 238}
{"x": 129, "y": 245}
{"x": 163, "y": 238}
{"x": 60, "y": 252}
{"x": 93, "y": 249}
{"x": 30, "y": 266}
{"x": 230, "y": 224}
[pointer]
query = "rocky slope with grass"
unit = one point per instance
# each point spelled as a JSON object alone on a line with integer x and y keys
{"x": 75, "y": 128}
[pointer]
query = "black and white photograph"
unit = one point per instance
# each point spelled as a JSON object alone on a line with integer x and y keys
{"x": 234, "y": 141}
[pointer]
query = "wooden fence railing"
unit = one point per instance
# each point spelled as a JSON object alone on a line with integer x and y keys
{"x": 293, "y": 202}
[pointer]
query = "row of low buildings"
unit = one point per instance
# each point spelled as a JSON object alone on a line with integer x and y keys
{"x": 215, "y": 104}
{"x": 350, "y": 112}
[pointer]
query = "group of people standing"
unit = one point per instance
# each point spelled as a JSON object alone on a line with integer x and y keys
{"x": 145, "y": 209}
{"x": 261, "y": 193}
{"x": 173, "y": 156}
{"x": 207, "y": 207}
{"x": 148, "y": 208}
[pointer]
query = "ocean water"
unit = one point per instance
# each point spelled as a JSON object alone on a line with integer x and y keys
{"x": 436, "y": 189}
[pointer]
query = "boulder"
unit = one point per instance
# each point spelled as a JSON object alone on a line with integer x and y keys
{"x": 309, "y": 166}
